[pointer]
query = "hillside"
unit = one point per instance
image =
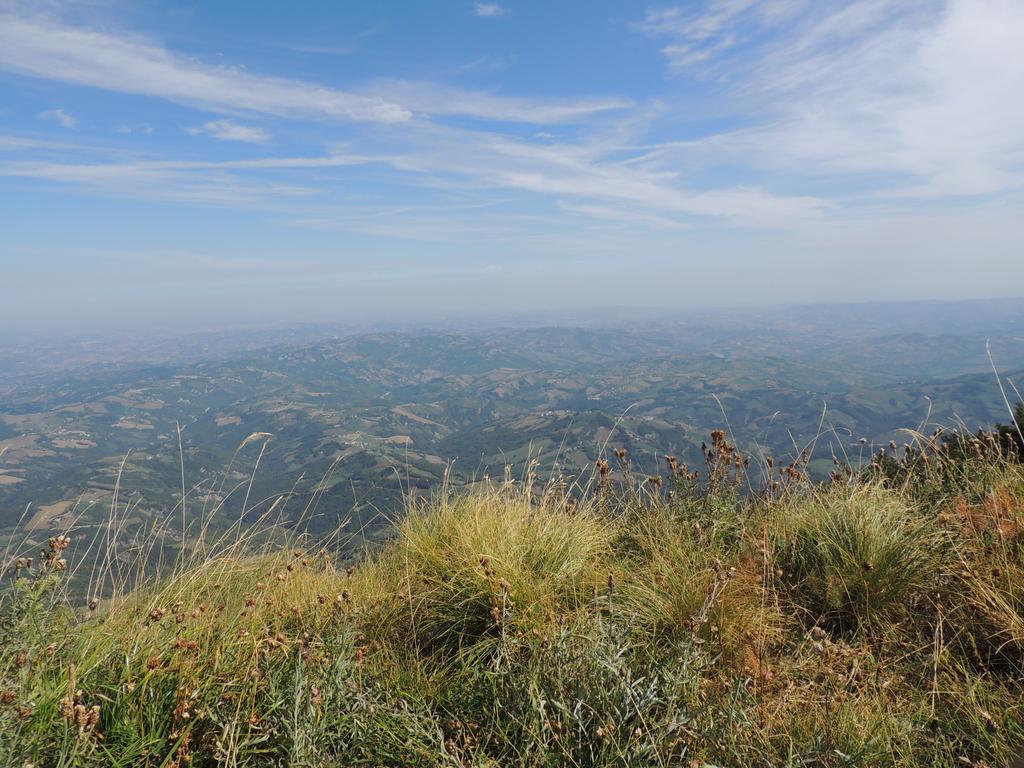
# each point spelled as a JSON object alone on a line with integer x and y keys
{"x": 351, "y": 423}
{"x": 875, "y": 619}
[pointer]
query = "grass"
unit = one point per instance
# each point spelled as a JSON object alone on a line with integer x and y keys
{"x": 859, "y": 558}
{"x": 874, "y": 620}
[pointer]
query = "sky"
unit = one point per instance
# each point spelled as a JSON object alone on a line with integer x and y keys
{"x": 188, "y": 163}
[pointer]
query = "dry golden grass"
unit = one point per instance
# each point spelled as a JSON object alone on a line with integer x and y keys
{"x": 875, "y": 620}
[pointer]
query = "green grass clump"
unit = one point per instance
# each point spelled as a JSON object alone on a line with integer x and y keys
{"x": 471, "y": 569}
{"x": 682, "y": 582}
{"x": 875, "y": 620}
{"x": 860, "y": 556}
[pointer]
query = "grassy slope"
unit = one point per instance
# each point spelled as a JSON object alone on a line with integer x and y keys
{"x": 875, "y": 620}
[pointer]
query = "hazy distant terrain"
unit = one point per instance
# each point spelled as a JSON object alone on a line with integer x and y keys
{"x": 391, "y": 411}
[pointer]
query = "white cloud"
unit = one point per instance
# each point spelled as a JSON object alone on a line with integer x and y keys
{"x": 699, "y": 33}
{"x": 440, "y": 100}
{"x": 592, "y": 177}
{"x": 10, "y": 143}
{"x": 60, "y": 116}
{"x": 622, "y": 214}
{"x": 595, "y": 172}
{"x": 143, "y": 128}
{"x": 909, "y": 97}
{"x": 489, "y": 10}
{"x": 934, "y": 98}
{"x": 228, "y": 130}
{"x": 101, "y": 171}
{"x": 228, "y": 183}
{"x": 891, "y": 95}
{"x": 47, "y": 49}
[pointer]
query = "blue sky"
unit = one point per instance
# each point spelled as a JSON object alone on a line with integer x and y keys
{"x": 192, "y": 162}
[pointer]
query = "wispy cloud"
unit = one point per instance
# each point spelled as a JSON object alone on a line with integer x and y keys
{"x": 48, "y": 49}
{"x": 60, "y": 116}
{"x": 489, "y": 10}
{"x": 591, "y": 177}
{"x": 603, "y": 215}
{"x": 268, "y": 183}
{"x": 228, "y": 130}
{"x": 700, "y": 32}
{"x": 909, "y": 97}
{"x": 443, "y": 100}
{"x": 597, "y": 171}
{"x": 143, "y": 128}
{"x": 11, "y": 143}
{"x": 839, "y": 102}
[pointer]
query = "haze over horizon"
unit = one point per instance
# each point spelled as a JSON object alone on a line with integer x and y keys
{"x": 195, "y": 162}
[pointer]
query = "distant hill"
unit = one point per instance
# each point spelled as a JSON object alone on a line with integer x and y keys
{"x": 357, "y": 420}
